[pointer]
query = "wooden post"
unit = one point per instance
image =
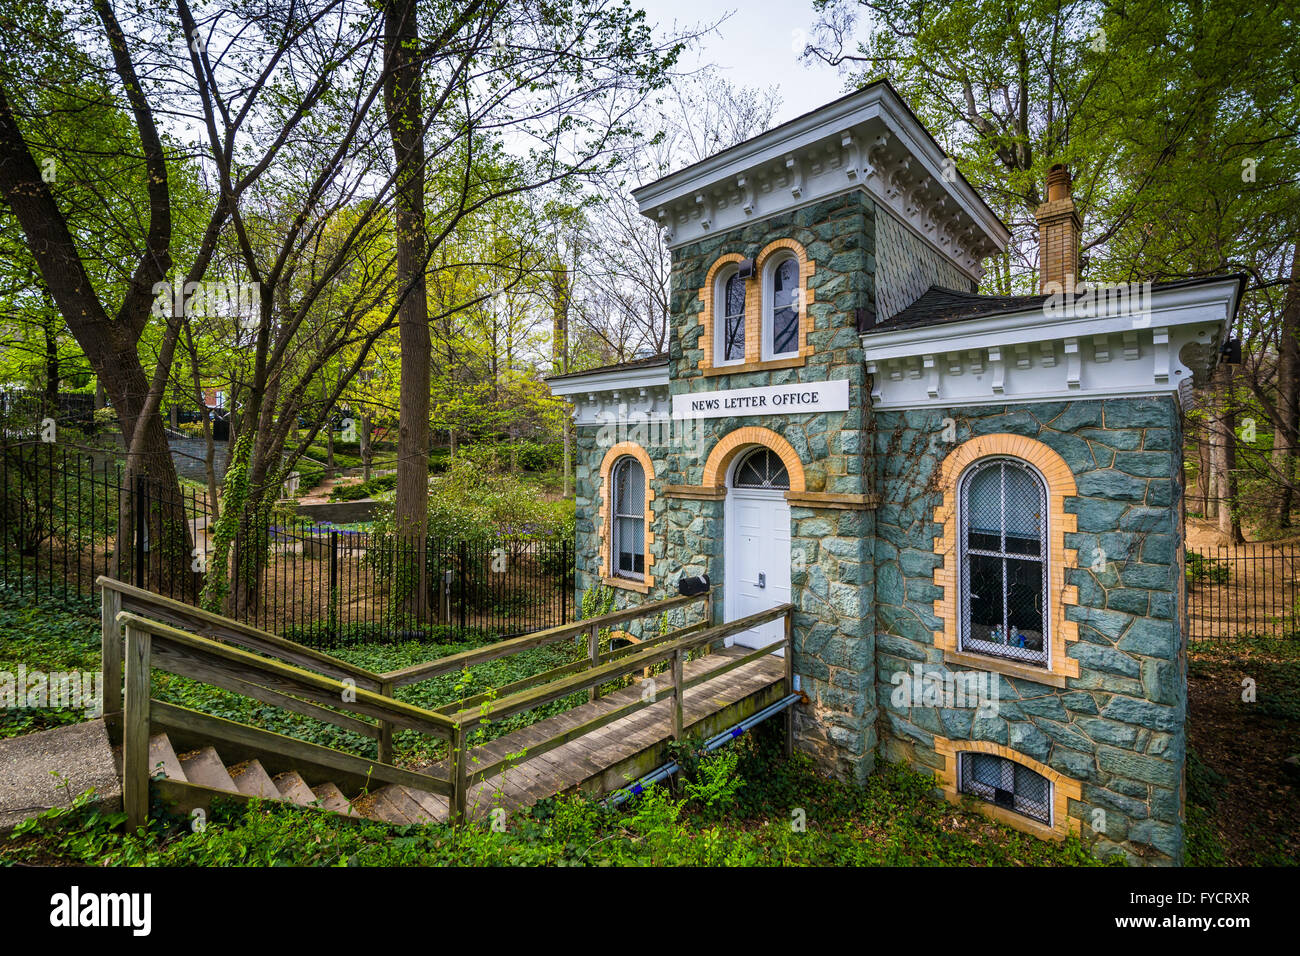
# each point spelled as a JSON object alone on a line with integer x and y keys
{"x": 110, "y": 643}
{"x": 456, "y": 767}
{"x": 386, "y": 728}
{"x": 593, "y": 653}
{"x": 678, "y": 691}
{"x": 711, "y": 614}
{"x": 789, "y": 681}
{"x": 135, "y": 729}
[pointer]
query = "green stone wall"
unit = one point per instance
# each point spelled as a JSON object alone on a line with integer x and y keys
{"x": 831, "y": 580}
{"x": 1118, "y": 727}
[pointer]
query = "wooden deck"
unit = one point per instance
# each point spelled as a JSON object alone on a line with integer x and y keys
{"x": 613, "y": 756}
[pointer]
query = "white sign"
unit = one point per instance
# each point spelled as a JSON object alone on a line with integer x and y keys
{"x": 794, "y": 399}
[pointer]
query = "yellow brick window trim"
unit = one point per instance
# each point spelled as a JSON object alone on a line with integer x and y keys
{"x": 1060, "y": 485}
{"x": 733, "y": 443}
{"x": 1064, "y": 789}
{"x": 621, "y": 450}
{"x": 806, "y": 295}
{"x": 709, "y": 295}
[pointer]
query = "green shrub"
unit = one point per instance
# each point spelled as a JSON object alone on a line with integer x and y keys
{"x": 1208, "y": 570}
{"x": 364, "y": 489}
{"x": 470, "y": 503}
{"x": 539, "y": 456}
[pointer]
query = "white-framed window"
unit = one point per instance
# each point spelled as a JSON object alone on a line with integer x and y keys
{"x": 1002, "y": 542}
{"x": 627, "y": 519}
{"x": 729, "y": 318}
{"x": 781, "y": 307}
{"x": 1005, "y": 783}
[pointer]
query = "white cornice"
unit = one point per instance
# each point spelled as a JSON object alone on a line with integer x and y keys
{"x": 616, "y": 394}
{"x": 1042, "y": 355}
{"x": 868, "y": 140}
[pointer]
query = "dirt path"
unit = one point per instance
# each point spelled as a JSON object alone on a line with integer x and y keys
{"x": 321, "y": 493}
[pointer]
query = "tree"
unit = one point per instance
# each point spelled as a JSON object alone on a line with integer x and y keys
{"x": 1179, "y": 123}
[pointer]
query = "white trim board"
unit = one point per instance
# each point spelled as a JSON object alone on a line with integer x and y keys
{"x": 1029, "y": 356}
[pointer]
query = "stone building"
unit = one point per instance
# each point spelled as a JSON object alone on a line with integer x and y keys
{"x": 974, "y": 502}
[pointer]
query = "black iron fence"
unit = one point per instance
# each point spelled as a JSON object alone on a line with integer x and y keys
{"x": 65, "y": 509}
{"x": 1243, "y": 590}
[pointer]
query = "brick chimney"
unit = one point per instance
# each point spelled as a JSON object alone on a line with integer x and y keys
{"x": 1059, "y": 229}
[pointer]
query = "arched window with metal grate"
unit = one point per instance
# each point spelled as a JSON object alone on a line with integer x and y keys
{"x": 1002, "y": 517}
{"x": 729, "y": 308}
{"x": 1006, "y": 784}
{"x": 627, "y": 519}
{"x": 761, "y": 468}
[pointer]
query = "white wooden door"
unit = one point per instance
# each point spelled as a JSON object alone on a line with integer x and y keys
{"x": 757, "y": 560}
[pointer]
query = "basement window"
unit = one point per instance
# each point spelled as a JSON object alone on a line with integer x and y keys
{"x": 1007, "y": 784}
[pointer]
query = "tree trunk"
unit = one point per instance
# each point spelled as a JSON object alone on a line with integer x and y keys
{"x": 406, "y": 126}
{"x": 365, "y": 446}
{"x": 51, "y": 368}
{"x": 1285, "y": 437}
{"x": 1203, "y": 470}
{"x": 1229, "y": 519}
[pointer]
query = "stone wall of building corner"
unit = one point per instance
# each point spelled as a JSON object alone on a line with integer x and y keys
{"x": 1118, "y": 728}
{"x": 831, "y": 576}
{"x": 906, "y": 265}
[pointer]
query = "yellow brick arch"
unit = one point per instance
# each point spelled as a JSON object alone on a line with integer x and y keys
{"x": 1063, "y": 788}
{"x": 733, "y": 443}
{"x": 606, "y": 509}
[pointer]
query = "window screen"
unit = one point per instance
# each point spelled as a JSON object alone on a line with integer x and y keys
{"x": 785, "y": 308}
{"x": 628, "y": 519}
{"x": 761, "y": 468}
{"x": 733, "y": 320}
{"x": 1003, "y": 511}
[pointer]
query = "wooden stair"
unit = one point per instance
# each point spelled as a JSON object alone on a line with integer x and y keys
{"x": 204, "y": 767}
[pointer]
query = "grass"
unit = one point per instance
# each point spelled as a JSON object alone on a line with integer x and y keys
{"x": 744, "y": 806}
{"x": 66, "y": 637}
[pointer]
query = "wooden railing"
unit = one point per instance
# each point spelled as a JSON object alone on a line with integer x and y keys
{"x": 673, "y": 648}
{"x": 152, "y": 645}
{"x": 159, "y": 633}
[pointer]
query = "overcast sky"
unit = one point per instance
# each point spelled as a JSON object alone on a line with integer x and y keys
{"x": 756, "y": 46}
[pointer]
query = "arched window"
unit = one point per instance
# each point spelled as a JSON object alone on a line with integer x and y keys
{"x": 729, "y": 326}
{"x": 761, "y": 468}
{"x": 1006, "y": 784}
{"x": 1002, "y": 512}
{"x": 781, "y": 308}
{"x": 627, "y": 531}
